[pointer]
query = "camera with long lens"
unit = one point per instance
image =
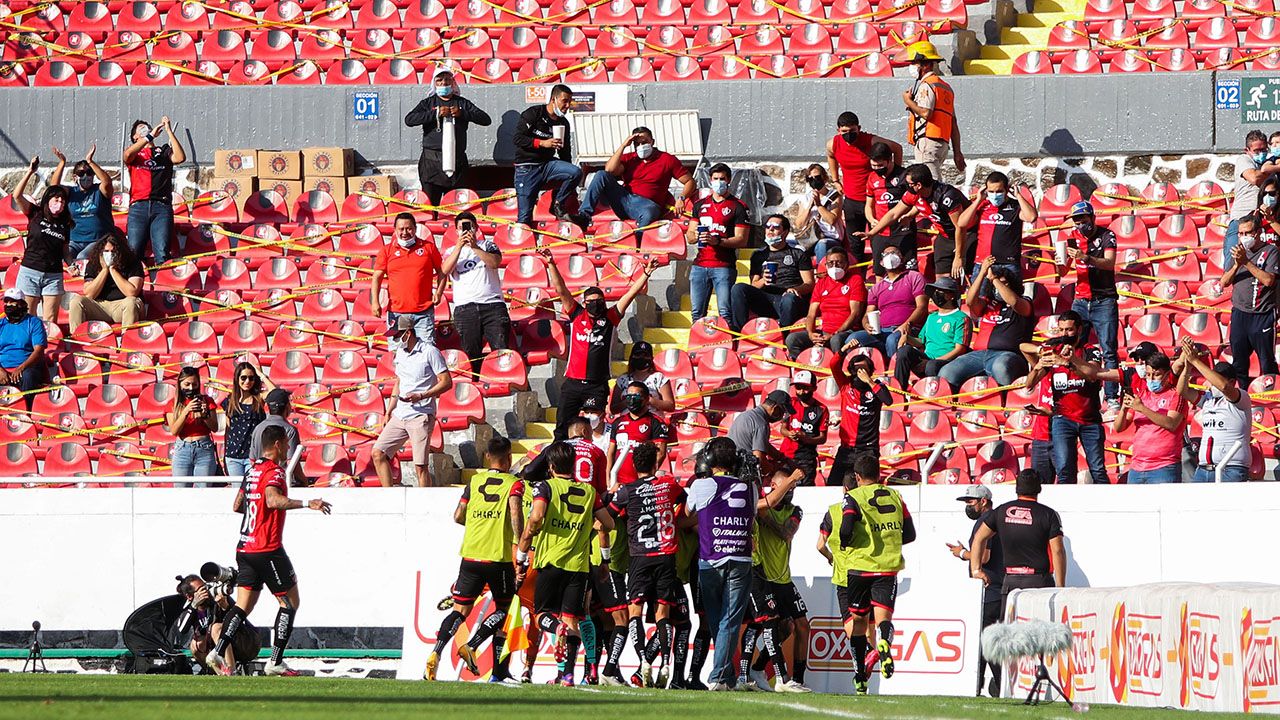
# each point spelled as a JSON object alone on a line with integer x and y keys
{"x": 218, "y": 578}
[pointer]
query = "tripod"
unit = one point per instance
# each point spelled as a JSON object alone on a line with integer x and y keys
{"x": 1042, "y": 684}
{"x": 35, "y": 656}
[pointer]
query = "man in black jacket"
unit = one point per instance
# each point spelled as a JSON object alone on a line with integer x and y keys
{"x": 543, "y": 154}
{"x": 444, "y": 102}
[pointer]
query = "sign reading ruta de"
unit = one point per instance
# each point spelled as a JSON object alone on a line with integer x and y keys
{"x": 1260, "y": 100}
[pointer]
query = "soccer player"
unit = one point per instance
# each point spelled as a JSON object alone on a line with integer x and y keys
{"x": 637, "y": 425}
{"x": 650, "y": 506}
{"x": 874, "y": 525}
{"x": 838, "y": 557}
{"x": 491, "y": 512}
{"x": 591, "y": 465}
{"x": 777, "y": 527}
{"x": 609, "y": 598}
{"x": 560, "y": 520}
{"x": 260, "y": 557}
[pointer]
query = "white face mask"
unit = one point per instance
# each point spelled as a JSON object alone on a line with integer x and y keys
{"x": 143, "y": 131}
{"x": 407, "y": 242}
{"x": 1140, "y": 371}
{"x": 594, "y": 420}
{"x": 891, "y": 261}
{"x": 644, "y": 151}
{"x": 1214, "y": 392}
{"x": 835, "y": 273}
{"x": 108, "y": 257}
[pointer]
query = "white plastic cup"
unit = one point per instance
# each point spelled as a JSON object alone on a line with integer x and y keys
{"x": 873, "y": 321}
{"x": 557, "y": 132}
{"x": 1060, "y": 252}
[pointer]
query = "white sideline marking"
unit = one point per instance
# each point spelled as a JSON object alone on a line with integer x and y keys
{"x": 801, "y": 707}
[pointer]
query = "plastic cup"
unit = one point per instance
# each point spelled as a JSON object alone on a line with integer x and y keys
{"x": 873, "y": 321}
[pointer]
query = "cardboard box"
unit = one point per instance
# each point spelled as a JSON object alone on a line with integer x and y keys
{"x": 239, "y": 188}
{"x": 382, "y": 185}
{"x": 337, "y": 187}
{"x": 280, "y": 164}
{"x": 328, "y": 162}
{"x": 288, "y": 189}
{"x": 235, "y": 163}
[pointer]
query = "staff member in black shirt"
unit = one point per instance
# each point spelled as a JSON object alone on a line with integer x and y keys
{"x": 591, "y": 325}
{"x": 445, "y": 101}
{"x": 544, "y": 157}
{"x": 1031, "y": 538}
{"x": 977, "y": 507}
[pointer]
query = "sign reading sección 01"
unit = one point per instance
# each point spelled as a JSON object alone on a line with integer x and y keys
{"x": 1260, "y": 100}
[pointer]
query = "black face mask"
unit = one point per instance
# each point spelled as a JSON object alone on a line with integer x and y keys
{"x": 188, "y": 393}
{"x": 595, "y": 308}
{"x": 940, "y": 298}
{"x": 815, "y": 182}
{"x": 640, "y": 364}
{"x": 1086, "y": 228}
{"x": 850, "y": 136}
{"x": 15, "y": 312}
{"x": 1069, "y": 340}
{"x": 972, "y": 512}
{"x": 881, "y": 171}
{"x": 635, "y": 404}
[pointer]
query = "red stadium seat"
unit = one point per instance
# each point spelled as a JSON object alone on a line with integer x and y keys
{"x": 759, "y": 333}
{"x": 362, "y": 208}
{"x": 712, "y": 366}
{"x": 1184, "y": 268}
{"x": 762, "y": 365}
{"x": 591, "y": 72}
{"x": 930, "y": 427}
{"x": 1099, "y": 12}
{"x": 460, "y": 406}
{"x": 1174, "y": 60}
{"x": 195, "y": 336}
{"x": 326, "y": 305}
{"x": 139, "y": 17}
{"x": 1202, "y": 328}
{"x": 215, "y": 207}
{"x": 67, "y": 459}
{"x": 728, "y": 67}
{"x": 347, "y": 72}
{"x": 274, "y": 48}
{"x": 1033, "y": 63}
{"x": 1172, "y": 36}
{"x": 527, "y": 271}
{"x": 1262, "y": 34}
{"x": 766, "y": 40}
{"x": 874, "y": 65}
{"x": 1175, "y": 231}
{"x": 1196, "y": 12}
{"x": 292, "y": 369}
{"x": 668, "y": 68}
{"x": 674, "y": 363}
{"x": 1057, "y": 201}
{"x": 1164, "y": 197}
{"x": 152, "y": 75}
{"x": 1067, "y": 37}
{"x": 1113, "y": 199}
{"x": 1153, "y": 328}
{"x": 92, "y": 18}
{"x": 246, "y": 336}
{"x": 809, "y": 40}
{"x": 105, "y": 74}
{"x": 541, "y": 339}
{"x": 752, "y": 13}
{"x": 774, "y": 66}
{"x": 1079, "y": 62}
{"x": 1204, "y": 200}
{"x": 344, "y": 368}
{"x": 948, "y": 14}
{"x": 306, "y": 72}
{"x": 1130, "y": 61}
{"x": 669, "y": 12}
{"x": 503, "y": 372}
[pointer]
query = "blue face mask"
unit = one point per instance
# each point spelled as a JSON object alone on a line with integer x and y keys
{"x": 558, "y": 111}
{"x": 1260, "y": 158}
{"x": 720, "y": 187}
{"x": 996, "y": 198}
{"x": 1155, "y": 385}
{"x": 1269, "y": 201}
{"x": 444, "y": 91}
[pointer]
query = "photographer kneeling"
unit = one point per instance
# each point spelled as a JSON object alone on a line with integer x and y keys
{"x": 205, "y": 614}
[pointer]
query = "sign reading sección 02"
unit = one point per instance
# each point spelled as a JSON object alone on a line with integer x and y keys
{"x": 1260, "y": 100}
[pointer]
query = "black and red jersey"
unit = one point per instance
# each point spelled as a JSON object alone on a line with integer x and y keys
{"x": 1002, "y": 328}
{"x": 151, "y": 175}
{"x": 650, "y": 508}
{"x": 887, "y": 191}
{"x": 628, "y": 432}
{"x": 589, "y": 465}
{"x": 1000, "y": 231}
{"x": 860, "y": 407}
{"x": 1093, "y": 283}
{"x": 936, "y": 208}
{"x": 262, "y": 528}
{"x": 810, "y": 420}
{"x": 1075, "y": 397}
{"x": 590, "y": 343}
{"x": 722, "y": 219}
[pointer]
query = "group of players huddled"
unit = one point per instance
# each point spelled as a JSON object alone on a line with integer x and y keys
{"x": 605, "y": 556}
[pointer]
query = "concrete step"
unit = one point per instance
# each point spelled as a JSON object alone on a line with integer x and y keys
{"x": 676, "y": 319}
{"x": 988, "y": 67}
{"x": 1003, "y": 52}
{"x": 1045, "y": 20}
{"x": 540, "y": 430}
{"x": 676, "y": 337}
{"x": 1037, "y": 37}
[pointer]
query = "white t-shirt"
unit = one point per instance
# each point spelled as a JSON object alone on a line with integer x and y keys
{"x": 473, "y": 281}
{"x": 417, "y": 370}
{"x": 1245, "y": 194}
{"x": 1224, "y": 423}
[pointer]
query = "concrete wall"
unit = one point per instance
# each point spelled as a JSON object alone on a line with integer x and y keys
{"x": 1168, "y": 113}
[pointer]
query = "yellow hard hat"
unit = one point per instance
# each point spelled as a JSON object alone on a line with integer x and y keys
{"x": 922, "y": 50}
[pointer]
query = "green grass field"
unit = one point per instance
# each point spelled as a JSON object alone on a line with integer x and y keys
{"x": 86, "y": 697}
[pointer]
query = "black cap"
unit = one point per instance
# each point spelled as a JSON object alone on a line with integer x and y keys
{"x": 592, "y": 402}
{"x": 278, "y": 398}
{"x": 1142, "y": 351}
{"x": 946, "y": 283}
{"x": 641, "y": 348}
{"x": 781, "y": 399}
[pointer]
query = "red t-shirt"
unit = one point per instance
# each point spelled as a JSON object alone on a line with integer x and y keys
{"x": 724, "y": 218}
{"x": 193, "y": 426}
{"x": 411, "y": 275}
{"x": 1153, "y": 446}
{"x": 628, "y": 432}
{"x": 833, "y": 298}
{"x": 652, "y": 178}
{"x": 588, "y": 465}
{"x": 1044, "y": 398}
{"x": 854, "y": 164}
{"x": 261, "y": 528}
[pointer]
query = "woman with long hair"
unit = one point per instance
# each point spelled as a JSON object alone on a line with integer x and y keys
{"x": 244, "y": 408}
{"x": 48, "y": 232}
{"x": 819, "y": 221}
{"x": 192, "y": 420}
{"x": 112, "y": 290}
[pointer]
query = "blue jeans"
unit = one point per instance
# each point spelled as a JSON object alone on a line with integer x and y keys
{"x": 702, "y": 279}
{"x": 1104, "y": 316}
{"x": 1042, "y": 460}
{"x": 424, "y": 324}
{"x": 724, "y": 595}
{"x": 150, "y": 223}
{"x": 236, "y": 467}
{"x": 196, "y": 457}
{"x": 1003, "y": 366}
{"x": 886, "y": 343}
{"x": 531, "y": 179}
{"x": 1090, "y": 435}
{"x": 80, "y": 251}
{"x": 823, "y": 246}
{"x": 625, "y": 204}
{"x": 748, "y": 300}
{"x": 1230, "y": 473}
{"x": 1231, "y": 238}
{"x": 1167, "y": 474}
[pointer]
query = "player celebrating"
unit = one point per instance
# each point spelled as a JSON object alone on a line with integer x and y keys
{"x": 591, "y": 465}
{"x": 874, "y": 526}
{"x": 490, "y": 510}
{"x": 260, "y": 557}
{"x": 637, "y": 425}
{"x": 777, "y": 527}
{"x": 560, "y": 519}
{"x": 839, "y": 558}
{"x": 650, "y": 506}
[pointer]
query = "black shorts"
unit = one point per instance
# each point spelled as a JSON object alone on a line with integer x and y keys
{"x": 474, "y": 575}
{"x": 273, "y": 569}
{"x": 866, "y": 591}
{"x": 651, "y": 579}
{"x": 560, "y": 592}
{"x": 609, "y": 588}
{"x": 764, "y": 606}
{"x": 790, "y": 605}
{"x": 842, "y": 599}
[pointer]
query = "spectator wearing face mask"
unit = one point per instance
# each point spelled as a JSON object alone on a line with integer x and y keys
{"x": 1073, "y": 371}
{"x": 635, "y": 425}
{"x": 90, "y": 203}
{"x": 862, "y": 397}
{"x": 937, "y": 207}
{"x": 192, "y": 420}
{"x": 112, "y": 289}
{"x": 835, "y": 307}
{"x": 591, "y": 326}
{"x": 781, "y": 280}
{"x": 1251, "y": 275}
{"x": 850, "y": 164}
{"x": 544, "y": 154}
{"x": 433, "y": 114}
{"x": 945, "y": 336}
{"x": 479, "y": 311}
{"x": 720, "y": 228}
{"x": 637, "y": 185}
{"x": 819, "y": 220}
{"x": 1091, "y": 255}
{"x": 1224, "y": 413}
{"x": 1003, "y": 321}
{"x": 593, "y": 412}
{"x": 1252, "y": 169}
{"x": 1159, "y": 417}
{"x": 49, "y": 225}
{"x": 641, "y": 368}
{"x": 807, "y": 429}
{"x": 22, "y": 343}
{"x": 1268, "y": 218}
{"x": 886, "y": 186}
{"x": 998, "y": 217}
{"x": 151, "y": 188}
{"x": 895, "y": 305}
{"x": 415, "y": 279}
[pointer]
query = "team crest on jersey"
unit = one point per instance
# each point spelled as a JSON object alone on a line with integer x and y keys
{"x": 420, "y": 251}
{"x": 788, "y": 260}
{"x": 643, "y": 429}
